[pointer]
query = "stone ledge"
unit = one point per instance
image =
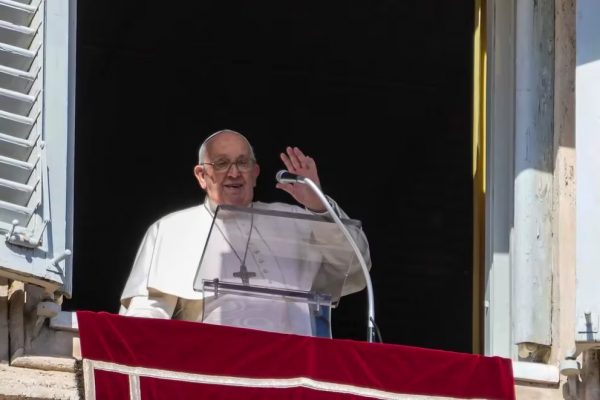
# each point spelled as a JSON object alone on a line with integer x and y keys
{"x": 25, "y": 383}
{"x": 45, "y": 363}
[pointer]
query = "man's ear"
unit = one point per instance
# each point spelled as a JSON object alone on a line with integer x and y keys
{"x": 255, "y": 173}
{"x": 199, "y": 174}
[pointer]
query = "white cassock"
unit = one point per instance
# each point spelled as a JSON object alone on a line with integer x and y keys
{"x": 160, "y": 284}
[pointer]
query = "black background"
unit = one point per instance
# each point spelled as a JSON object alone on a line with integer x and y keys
{"x": 378, "y": 92}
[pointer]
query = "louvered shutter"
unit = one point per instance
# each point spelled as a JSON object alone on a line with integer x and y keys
{"x": 36, "y": 140}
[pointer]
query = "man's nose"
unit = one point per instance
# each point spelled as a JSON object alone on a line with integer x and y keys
{"x": 233, "y": 170}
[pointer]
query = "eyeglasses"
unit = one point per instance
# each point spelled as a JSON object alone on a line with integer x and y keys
{"x": 243, "y": 165}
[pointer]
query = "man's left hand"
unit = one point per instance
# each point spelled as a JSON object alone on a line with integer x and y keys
{"x": 298, "y": 163}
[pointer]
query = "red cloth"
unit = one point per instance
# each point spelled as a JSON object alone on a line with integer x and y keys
{"x": 340, "y": 369}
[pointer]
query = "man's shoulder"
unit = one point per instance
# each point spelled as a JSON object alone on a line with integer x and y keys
{"x": 186, "y": 214}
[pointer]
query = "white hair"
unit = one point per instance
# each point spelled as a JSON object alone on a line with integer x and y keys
{"x": 202, "y": 151}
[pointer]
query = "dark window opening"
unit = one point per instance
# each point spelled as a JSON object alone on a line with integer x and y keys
{"x": 379, "y": 93}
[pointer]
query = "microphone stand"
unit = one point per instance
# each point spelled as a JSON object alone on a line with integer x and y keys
{"x": 363, "y": 264}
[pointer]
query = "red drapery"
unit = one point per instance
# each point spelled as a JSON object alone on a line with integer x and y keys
{"x": 161, "y": 359}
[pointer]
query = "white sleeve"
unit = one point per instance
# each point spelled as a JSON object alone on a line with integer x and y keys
{"x": 137, "y": 283}
{"x": 355, "y": 280}
{"x": 155, "y": 305}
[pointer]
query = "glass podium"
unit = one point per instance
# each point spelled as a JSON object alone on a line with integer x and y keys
{"x": 275, "y": 270}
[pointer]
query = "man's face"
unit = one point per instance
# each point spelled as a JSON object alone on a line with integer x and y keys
{"x": 235, "y": 184}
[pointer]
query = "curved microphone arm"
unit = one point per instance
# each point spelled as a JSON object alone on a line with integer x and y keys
{"x": 287, "y": 177}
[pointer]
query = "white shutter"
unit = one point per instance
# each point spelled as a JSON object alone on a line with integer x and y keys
{"x": 36, "y": 140}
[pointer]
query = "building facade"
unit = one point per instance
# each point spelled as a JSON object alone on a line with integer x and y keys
{"x": 536, "y": 133}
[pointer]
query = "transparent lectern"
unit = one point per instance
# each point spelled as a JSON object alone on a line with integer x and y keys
{"x": 274, "y": 270}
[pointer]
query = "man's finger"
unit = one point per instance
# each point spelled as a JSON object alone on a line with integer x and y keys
{"x": 311, "y": 162}
{"x": 287, "y": 162}
{"x": 293, "y": 158}
{"x": 302, "y": 158}
{"x": 299, "y": 153}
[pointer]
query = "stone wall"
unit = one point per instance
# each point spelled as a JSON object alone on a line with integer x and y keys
{"x": 36, "y": 360}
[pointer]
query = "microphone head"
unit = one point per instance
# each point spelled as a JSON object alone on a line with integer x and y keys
{"x": 280, "y": 175}
{"x": 284, "y": 176}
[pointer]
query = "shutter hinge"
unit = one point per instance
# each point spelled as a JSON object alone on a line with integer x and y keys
{"x": 24, "y": 238}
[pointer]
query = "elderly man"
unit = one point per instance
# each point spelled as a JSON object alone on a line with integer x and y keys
{"x": 161, "y": 281}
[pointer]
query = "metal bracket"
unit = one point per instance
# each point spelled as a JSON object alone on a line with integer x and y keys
{"x": 216, "y": 283}
{"x": 587, "y": 328}
{"x": 587, "y": 323}
{"x": 318, "y": 304}
{"x": 54, "y": 262}
{"x": 24, "y": 238}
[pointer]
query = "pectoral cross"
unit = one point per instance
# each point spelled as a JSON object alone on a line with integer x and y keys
{"x": 244, "y": 275}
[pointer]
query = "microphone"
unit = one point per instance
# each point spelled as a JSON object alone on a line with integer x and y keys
{"x": 284, "y": 176}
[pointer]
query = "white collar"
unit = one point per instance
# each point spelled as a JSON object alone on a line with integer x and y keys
{"x": 212, "y": 207}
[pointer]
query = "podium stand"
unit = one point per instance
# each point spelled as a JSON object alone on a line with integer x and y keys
{"x": 274, "y": 270}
